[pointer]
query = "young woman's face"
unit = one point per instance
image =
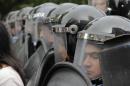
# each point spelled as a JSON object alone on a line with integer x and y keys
{"x": 91, "y": 62}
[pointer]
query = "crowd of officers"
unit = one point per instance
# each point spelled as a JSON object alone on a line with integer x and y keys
{"x": 73, "y": 45}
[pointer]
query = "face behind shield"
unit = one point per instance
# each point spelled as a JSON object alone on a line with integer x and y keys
{"x": 88, "y": 51}
{"x": 91, "y": 61}
{"x": 60, "y": 43}
{"x": 42, "y": 24}
{"x": 45, "y": 35}
{"x": 75, "y": 20}
{"x": 12, "y": 28}
{"x": 19, "y": 25}
{"x": 14, "y": 35}
{"x": 90, "y": 42}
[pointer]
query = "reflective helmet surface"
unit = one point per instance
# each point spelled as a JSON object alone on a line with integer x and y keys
{"x": 70, "y": 23}
{"x": 90, "y": 42}
{"x": 22, "y": 17}
{"x": 56, "y": 14}
{"x": 42, "y": 25}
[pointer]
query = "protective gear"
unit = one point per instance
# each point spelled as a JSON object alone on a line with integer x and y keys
{"x": 73, "y": 76}
{"x": 11, "y": 25}
{"x": 29, "y": 24}
{"x": 42, "y": 26}
{"x": 20, "y": 24}
{"x": 21, "y": 18}
{"x": 90, "y": 42}
{"x": 58, "y": 12}
{"x": 36, "y": 13}
{"x": 11, "y": 22}
{"x": 115, "y": 61}
{"x": 70, "y": 23}
{"x": 45, "y": 24}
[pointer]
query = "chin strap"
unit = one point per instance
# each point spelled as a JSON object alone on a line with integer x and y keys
{"x": 97, "y": 82}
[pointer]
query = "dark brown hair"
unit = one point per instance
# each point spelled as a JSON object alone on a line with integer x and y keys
{"x": 6, "y": 55}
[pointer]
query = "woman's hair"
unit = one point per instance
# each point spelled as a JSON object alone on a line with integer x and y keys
{"x": 6, "y": 55}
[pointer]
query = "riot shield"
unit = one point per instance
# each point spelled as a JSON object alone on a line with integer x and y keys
{"x": 115, "y": 61}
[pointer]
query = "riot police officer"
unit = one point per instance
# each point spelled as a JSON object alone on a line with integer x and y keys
{"x": 69, "y": 24}
{"x": 42, "y": 25}
{"x": 90, "y": 44}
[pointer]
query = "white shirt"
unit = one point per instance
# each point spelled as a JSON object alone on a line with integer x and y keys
{"x": 9, "y": 77}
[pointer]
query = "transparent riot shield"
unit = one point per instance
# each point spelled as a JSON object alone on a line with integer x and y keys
{"x": 45, "y": 34}
{"x": 87, "y": 52}
{"x": 60, "y": 43}
{"x": 90, "y": 42}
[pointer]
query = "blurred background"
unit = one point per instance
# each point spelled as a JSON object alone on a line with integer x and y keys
{"x": 9, "y": 5}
